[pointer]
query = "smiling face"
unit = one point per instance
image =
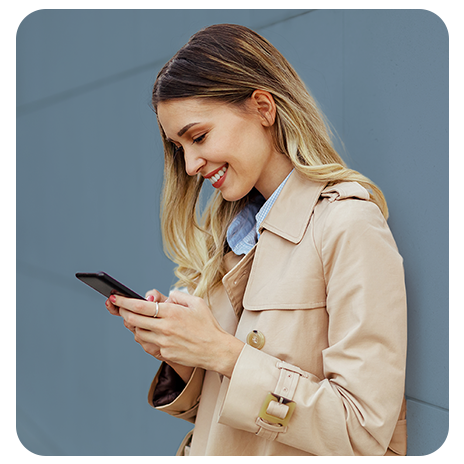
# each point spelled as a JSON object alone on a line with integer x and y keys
{"x": 230, "y": 146}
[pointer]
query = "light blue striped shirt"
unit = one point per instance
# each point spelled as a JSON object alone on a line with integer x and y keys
{"x": 242, "y": 234}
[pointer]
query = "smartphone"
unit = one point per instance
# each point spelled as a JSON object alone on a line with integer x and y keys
{"x": 106, "y": 285}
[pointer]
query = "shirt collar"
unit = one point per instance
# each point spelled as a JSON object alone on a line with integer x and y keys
{"x": 243, "y": 232}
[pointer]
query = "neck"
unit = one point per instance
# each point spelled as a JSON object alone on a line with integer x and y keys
{"x": 276, "y": 172}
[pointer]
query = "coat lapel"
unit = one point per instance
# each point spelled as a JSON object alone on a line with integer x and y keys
{"x": 289, "y": 216}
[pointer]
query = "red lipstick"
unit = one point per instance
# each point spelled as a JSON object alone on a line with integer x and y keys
{"x": 220, "y": 181}
{"x": 217, "y": 176}
{"x": 213, "y": 173}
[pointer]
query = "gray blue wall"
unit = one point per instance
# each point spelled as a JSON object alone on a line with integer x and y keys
{"x": 89, "y": 176}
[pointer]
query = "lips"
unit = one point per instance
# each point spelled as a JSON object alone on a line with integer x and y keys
{"x": 217, "y": 176}
{"x": 213, "y": 173}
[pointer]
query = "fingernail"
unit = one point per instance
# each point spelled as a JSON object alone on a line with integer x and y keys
{"x": 150, "y": 298}
{"x": 113, "y": 299}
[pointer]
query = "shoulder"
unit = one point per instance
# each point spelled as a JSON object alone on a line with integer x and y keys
{"x": 347, "y": 205}
{"x": 345, "y": 215}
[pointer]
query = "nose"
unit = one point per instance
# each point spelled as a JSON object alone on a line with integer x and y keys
{"x": 193, "y": 163}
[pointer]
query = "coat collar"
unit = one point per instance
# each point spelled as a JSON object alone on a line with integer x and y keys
{"x": 290, "y": 214}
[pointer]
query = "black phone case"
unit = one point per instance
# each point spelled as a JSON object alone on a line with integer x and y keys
{"x": 106, "y": 285}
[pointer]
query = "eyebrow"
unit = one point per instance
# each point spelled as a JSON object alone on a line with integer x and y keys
{"x": 186, "y": 128}
{"x": 183, "y": 130}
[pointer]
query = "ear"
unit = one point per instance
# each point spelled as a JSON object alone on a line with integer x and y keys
{"x": 264, "y": 103}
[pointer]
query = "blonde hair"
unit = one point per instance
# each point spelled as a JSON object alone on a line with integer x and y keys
{"x": 227, "y": 63}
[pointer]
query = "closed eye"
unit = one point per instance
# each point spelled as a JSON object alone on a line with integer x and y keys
{"x": 199, "y": 139}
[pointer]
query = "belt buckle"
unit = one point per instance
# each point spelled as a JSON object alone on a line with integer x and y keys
{"x": 273, "y": 419}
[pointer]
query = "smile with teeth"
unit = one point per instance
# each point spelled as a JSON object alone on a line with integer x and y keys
{"x": 218, "y": 175}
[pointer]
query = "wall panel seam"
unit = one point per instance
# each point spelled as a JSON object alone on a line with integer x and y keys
{"x": 47, "y": 440}
{"x": 74, "y": 92}
{"x": 416, "y": 400}
{"x": 283, "y": 20}
{"x": 50, "y": 100}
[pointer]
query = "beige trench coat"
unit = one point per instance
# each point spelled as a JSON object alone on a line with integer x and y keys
{"x": 324, "y": 289}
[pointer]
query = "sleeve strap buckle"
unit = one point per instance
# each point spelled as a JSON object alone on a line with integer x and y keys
{"x": 277, "y": 409}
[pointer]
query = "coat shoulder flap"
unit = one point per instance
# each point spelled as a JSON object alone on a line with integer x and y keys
{"x": 344, "y": 190}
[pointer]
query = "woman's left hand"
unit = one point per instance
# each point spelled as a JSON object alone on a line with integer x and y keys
{"x": 185, "y": 331}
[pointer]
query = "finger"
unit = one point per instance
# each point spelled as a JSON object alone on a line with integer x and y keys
{"x": 114, "y": 310}
{"x": 157, "y": 296}
{"x": 145, "y": 339}
{"x": 145, "y": 336}
{"x": 140, "y": 321}
{"x": 142, "y": 307}
{"x": 182, "y": 298}
{"x": 130, "y": 327}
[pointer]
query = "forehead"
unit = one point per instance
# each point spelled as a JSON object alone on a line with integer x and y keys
{"x": 175, "y": 114}
{"x": 178, "y": 110}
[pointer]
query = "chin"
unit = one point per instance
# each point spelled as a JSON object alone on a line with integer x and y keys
{"x": 230, "y": 197}
{"x": 234, "y": 196}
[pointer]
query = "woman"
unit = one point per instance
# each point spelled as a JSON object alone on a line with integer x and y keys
{"x": 291, "y": 337}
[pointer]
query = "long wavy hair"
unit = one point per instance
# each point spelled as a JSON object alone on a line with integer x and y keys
{"x": 227, "y": 63}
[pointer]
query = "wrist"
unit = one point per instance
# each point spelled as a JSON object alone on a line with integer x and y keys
{"x": 227, "y": 357}
{"x": 184, "y": 372}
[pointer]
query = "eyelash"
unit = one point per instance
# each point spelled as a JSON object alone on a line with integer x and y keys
{"x": 199, "y": 139}
{"x": 180, "y": 149}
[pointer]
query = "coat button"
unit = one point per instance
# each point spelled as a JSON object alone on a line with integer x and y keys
{"x": 256, "y": 339}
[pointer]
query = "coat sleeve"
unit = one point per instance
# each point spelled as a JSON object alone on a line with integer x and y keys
{"x": 354, "y": 409}
{"x": 170, "y": 395}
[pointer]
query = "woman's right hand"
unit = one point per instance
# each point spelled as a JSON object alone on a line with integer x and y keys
{"x": 151, "y": 295}
{"x": 151, "y": 348}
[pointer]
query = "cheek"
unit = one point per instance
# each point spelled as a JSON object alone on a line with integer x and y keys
{"x": 255, "y": 153}
{"x": 257, "y": 139}
{"x": 243, "y": 146}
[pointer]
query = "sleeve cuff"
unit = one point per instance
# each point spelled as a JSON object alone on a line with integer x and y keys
{"x": 169, "y": 386}
{"x": 183, "y": 404}
{"x": 247, "y": 390}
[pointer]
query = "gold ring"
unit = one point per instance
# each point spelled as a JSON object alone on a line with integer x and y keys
{"x": 156, "y": 310}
